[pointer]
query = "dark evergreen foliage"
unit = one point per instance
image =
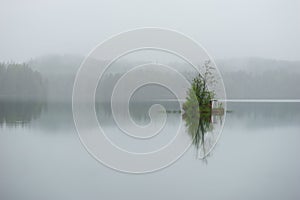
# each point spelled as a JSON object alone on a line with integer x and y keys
{"x": 19, "y": 82}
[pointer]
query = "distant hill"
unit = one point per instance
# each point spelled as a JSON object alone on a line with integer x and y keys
{"x": 243, "y": 77}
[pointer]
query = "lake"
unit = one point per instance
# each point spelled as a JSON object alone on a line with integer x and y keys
{"x": 257, "y": 157}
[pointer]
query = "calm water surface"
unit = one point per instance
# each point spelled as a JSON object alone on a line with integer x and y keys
{"x": 257, "y": 157}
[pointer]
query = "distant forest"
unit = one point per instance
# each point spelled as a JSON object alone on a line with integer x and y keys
{"x": 20, "y": 82}
{"x": 52, "y": 77}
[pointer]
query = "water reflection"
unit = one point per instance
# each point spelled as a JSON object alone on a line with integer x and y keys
{"x": 16, "y": 113}
{"x": 204, "y": 131}
{"x": 54, "y": 118}
{"x": 49, "y": 152}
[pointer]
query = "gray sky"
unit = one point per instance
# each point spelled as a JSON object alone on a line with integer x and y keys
{"x": 226, "y": 28}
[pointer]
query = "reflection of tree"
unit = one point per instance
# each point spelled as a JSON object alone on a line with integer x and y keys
{"x": 202, "y": 129}
{"x": 19, "y": 113}
{"x": 197, "y": 129}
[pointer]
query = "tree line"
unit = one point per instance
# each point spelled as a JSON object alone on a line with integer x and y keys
{"x": 20, "y": 82}
{"x": 54, "y": 77}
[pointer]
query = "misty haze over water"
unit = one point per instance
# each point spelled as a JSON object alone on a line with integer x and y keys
{"x": 255, "y": 45}
{"x": 249, "y": 78}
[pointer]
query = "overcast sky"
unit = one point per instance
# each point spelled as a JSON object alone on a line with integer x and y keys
{"x": 226, "y": 28}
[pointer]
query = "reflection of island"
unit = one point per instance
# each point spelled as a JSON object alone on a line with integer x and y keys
{"x": 203, "y": 131}
{"x": 13, "y": 113}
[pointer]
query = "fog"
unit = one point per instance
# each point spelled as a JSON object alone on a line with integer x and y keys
{"x": 255, "y": 45}
{"x": 52, "y": 77}
{"x": 231, "y": 28}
